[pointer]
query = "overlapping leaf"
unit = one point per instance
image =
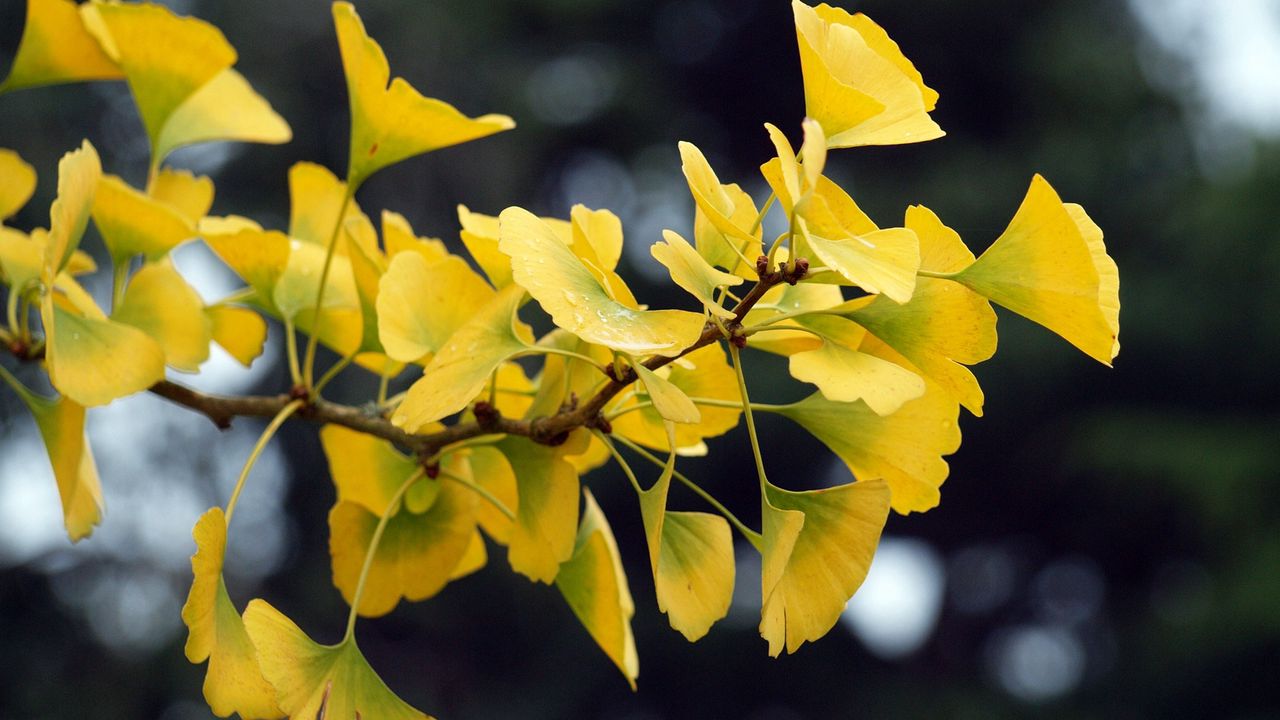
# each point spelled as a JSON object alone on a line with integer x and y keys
{"x": 56, "y": 48}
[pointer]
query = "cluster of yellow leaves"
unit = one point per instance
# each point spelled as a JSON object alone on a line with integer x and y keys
{"x": 884, "y": 324}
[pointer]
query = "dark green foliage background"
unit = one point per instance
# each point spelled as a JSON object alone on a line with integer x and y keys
{"x": 1168, "y": 460}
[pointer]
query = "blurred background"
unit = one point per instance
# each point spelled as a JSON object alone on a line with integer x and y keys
{"x": 1108, "y": 543}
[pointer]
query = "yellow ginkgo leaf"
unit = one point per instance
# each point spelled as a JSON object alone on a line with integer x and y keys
{"x": 215, "y": 631}
{"x": 945, "y": 325}
{"x": 134, "y": 223}
{"x": 78, "y": 175}
{"x": 462, "y": 367}
{"x": 390, "y": 124}
{"x": 225, "y": 108}
{"x": 296, "y": 290}
{"x": 17, "y": 182}
{"x": 475, "y": 558}
{"x": 905, "y": 448}
{"x": 421, "y": 304}
{"x": 319, "y": 681}
{"x": 797, "y": 182}
{"x": 827, "y": 561}
{"x": 668, "y": 399}
{"x": 160, "y": 303}
{"x": 547, "y": 508}
{"x": 491, "y": 471}
{"x": 691, "y": 556}
{"x": 315, "y": 199}
{"x": 61, "y": 424}
{"x": 398, "y": 237}
{"x": 179, "y": 69}
{"x": 729, "y": 217}
{"x": 94, "y": 361}
{"x": 21, "y": 256}
{"x": 596, "y": 238}
{"x": 564, "y": 376}
{"x": 691, "y": 271}
{"x": 55, "y": 48}
{"x": 803, "y": 297}
{"x": 188, "y": 193}
{"x": 703, "y": 373}
{"x": 417, "y": 553}
{"x": 1050, "y": 265}
{"x": 165, "y": 57}
{"x": 258, "y": 256}
{"x": 359, "y": 243}
{"x": 480, "y": 236}
{"x": 595, "y": 586}
{"x": 857, "y": 83}
{"x": 240, "y": 331}
{"x": 576, "y": 301}
{"x": 843, "y": 374}
{"x": 366, "y": 471}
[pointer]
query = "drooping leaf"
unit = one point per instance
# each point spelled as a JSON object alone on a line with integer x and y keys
{"x": 904, "y": 448}
{"x": 390, "y": 124}
{"x": 691, "y": 557}
{"x": 547, "y": 508}
{"x": 1050, "y": 265}
{"x": 416, "y": 555}
{"x": 595, "y": 586}
{"x": 234, "y": 682}
{"x": 690, "y": 271}
{"x": 827, "y": 561}
{"x": 55, "y": 48}
{"x": 857, "y": 83}
{"x": 17, "y": 182}
{"x": 319, "y": 681}
{"x": 160, "y": 303}
{"x": 61, "y": 424}
{"x": 459, "y": 371}
{"x": 491, "y": 471}
{"x": 727, "y": 216}
{"x": 668, "y": 399}
{"x": 576, "y": 301}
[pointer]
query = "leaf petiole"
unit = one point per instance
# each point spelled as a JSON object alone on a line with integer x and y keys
{"x": 261, "y": 445}
{"x": 482, "y": 492}
{"x": 392, "y": 506}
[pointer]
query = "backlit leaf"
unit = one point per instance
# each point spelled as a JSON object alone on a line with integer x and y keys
{"x": 134, "y": 223}
{"x": 390, "y": 124}
{"x": 55, "y": 48}
{"x": 595, "y": 586}
{"x": 240, "y": 331}
{"x": 843, "y": 374}
{"x": 234, "y": 682}
{"x": 226, "y": 108}
{"x": 160, "y": 303}
{"x": 315, "y": 199}
{"x": 188, "y": 193}
{"x": 421, "y": 304}
{"x": 319, "y": 681}
{"x": 94, "y": 361}
{"x": 690, "y": 271}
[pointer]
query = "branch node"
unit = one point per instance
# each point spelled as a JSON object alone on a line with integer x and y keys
{"x": 795, "y": 271}
{"x": 487, "y": 415}
{"x": 601, "y": 423}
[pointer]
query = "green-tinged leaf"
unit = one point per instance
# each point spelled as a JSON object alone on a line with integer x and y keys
{"x": 416, "y": 556}
{"x": 904, "y": 448}
{"x": 367, "y": 471}
{"x": 690, "y": 271}
{"x": 595, "y": 586}
{"x": 319, "y": 681}
{"x": 491, "y": 471}
{"x": 803, "y": 297}
{"x": 215, "y": 631}
{"x": 188, "y": 193}
{"x": 17, "y": 182}
{"x": 134, "y": 223}
{"x": 576, "y": 301}
{"x": 160, "y": 303}
{"x": 668, "y": 399}
{"x": 226, "y": 108}
{"x": 703, "y": 373}
{"x": 459, "y": 371}
{"x": 94, "y": 361}
{"x": 827, "y": 561}
{"x": 55, "y": 48}
{"x": 315, "y": 199}
{"x": 390, "y": 124}
{"x": 691, "y": 557}
{"x": 547, "y": 508}
{"x": 421, "y": 304}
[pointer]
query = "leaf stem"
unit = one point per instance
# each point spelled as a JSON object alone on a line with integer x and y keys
{"x": 373, "y": 549}
{"x": 551, "y": 350}
{"x": 261, "y": 445}
{"x": 119, "y": 277}
{"x": 11, "y": 309}
{"x": 482, "y": 492}
{"x": 308, "y": 364}
{"x": 384, "y": 379}
{"x": 747, "y": 532}
{"x": 291, "y": 350}
{"x": 932, "y": 274}
{"x": 622, "y": 462}
{"x": 764, "y": 210}
{"x": 746, "y": 408}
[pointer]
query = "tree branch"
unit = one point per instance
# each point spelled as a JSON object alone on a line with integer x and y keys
{"x": 548, "y": 430}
